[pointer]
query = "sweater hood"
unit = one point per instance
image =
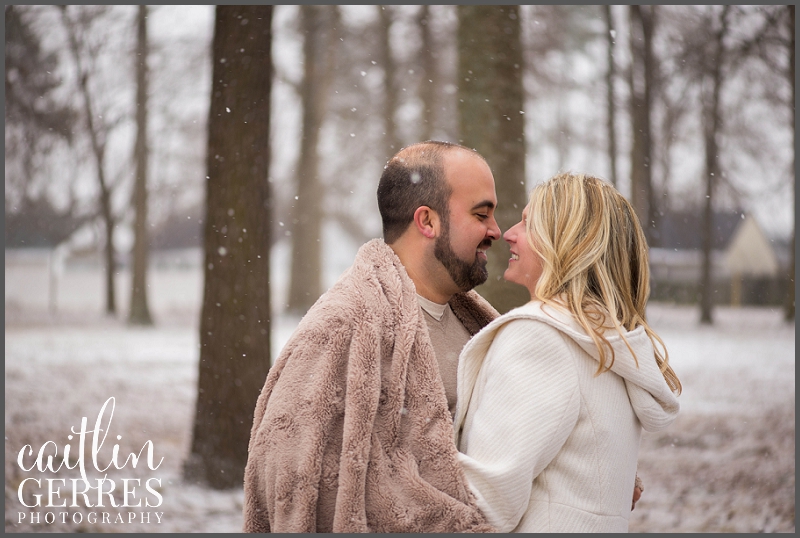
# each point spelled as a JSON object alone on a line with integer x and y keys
{"x": 654, "y": 403}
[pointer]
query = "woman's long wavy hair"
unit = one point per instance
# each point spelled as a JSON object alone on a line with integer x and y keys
{"x": 594, "y": 261}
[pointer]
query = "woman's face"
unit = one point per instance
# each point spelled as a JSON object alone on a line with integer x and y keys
{"x": 525, "y": 266}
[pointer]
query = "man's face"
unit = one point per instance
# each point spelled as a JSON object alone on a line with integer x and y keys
{"x": 465, "y": 275}
{"x": 469, "y": 229}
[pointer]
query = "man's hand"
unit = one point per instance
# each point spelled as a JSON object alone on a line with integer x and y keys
{"x": 638, "y": 489}
{"x": 637, "y": 493}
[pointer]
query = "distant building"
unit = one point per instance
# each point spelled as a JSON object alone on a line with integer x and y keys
{"x": 178, "y": 241}
{"x": 178, "y": 231}
{"x": 746, "y": 264}
{"x": 37, "y": 224}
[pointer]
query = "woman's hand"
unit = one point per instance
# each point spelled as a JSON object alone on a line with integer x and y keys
{"x": 638, "y": 489}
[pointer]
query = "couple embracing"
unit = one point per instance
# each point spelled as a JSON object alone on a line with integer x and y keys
{"x": 404, "y": 403}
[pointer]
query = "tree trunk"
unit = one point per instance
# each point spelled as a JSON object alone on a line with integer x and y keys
{"x": 641, "y": 77}
{"x": 139, "y": 311}
{"x": 610, "y": 98}
{"x": 306, "y": 275}
{"x": 789, "y": 305}
{"x": 108, "y": 251}
{"x": 711, "y": 128}
{"x": 393, "y": 143}
{"x": 490, "y": 96}
{"x": 235, "y": 320}
{"x": 430, "y": 79}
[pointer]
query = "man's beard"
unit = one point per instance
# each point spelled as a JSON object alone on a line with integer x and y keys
{"x": 465, "y": 275}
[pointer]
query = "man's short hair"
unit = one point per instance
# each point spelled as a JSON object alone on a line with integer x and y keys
{"x": 414, "y": 177}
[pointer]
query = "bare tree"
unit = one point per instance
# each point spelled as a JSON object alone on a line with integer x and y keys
{"x": 773, "y": 44}
{"x": 178, "y": 71}
{"x": 762, "y": 48}
{"x": 642, "y": 22}
{"x": 490, "y": 120}
{"x": 35, "y": 119}
{"x": 790, "y": 306}
{"x": 672, "y": 106}
{"x": 139, "y": 310}
{"x": 610, "y": 96}
{"x": 731, "y": 52}
{"x": 390, "y": 97}
{"x": 560, "y": 40}
{"x": 711, "y": 127}
{"x": 235, "y": 319}
{"x": 430, "y": 75}
{"x": 442, "y": 22}
{"x": 98, "y": 131}
{"x": 319, "y": 50}
{"x": 37, "y": 124}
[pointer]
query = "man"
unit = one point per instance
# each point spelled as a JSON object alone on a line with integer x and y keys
{"x": 353, "y": 429}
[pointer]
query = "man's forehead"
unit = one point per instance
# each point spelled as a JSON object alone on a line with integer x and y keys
{"x": 459, "y": 154}
{"x": 462, "y": 166}
{"x": 469, "y": 177}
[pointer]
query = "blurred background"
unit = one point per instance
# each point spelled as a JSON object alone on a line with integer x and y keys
{"x": 215, "y": 168}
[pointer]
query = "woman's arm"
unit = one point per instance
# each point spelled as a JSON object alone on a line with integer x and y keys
{"x": 518, "y": 418}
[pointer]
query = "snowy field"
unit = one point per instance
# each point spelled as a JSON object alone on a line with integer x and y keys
{"x": 726, "y": 465}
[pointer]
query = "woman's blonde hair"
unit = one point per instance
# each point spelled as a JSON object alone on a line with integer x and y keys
{"x": 594, "y": 261}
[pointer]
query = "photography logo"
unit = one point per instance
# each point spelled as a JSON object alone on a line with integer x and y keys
{"x": 114, "y": 494}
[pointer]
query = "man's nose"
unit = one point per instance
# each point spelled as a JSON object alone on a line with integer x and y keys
{"x": 494, "y": 230}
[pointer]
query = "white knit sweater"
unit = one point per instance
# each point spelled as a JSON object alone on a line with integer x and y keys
{"x": 546, "y": 445}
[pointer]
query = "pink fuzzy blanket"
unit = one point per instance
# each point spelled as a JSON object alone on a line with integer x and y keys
{"x": 352, "y": 432}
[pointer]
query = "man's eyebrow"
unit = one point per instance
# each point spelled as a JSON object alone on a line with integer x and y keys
{"x": 485, "y": 203}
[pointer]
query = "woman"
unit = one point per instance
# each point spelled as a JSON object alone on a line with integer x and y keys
{"x": 553, "y": 395}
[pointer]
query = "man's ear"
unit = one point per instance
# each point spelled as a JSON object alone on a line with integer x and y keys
{"x": 427, "y": 221}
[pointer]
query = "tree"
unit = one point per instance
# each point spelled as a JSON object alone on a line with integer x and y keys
{"x": 235, "y": 318}
{"x": 430, "y": 75}
{"x": 773, "y": 44}
{"x": 178, "y": 71}
{"x": 491, "y": 121}
{"x": 642, "y": 22}
{"x": 34, "y": 117}
{"x": 439, "y": 64}
{"x": 673, "y": 107}
{"x": 390, "y": 98}
{"x": 610, "y": 98}
{"x": 727, "y": 67}
{"x": 36, "y": 121}
{"x": 789, "y": 307}
{"x": 319, "y": 50}
{"x": 98, "y": 128}
{"x": 139, "y": 311}
{"x": 712, "y": 88}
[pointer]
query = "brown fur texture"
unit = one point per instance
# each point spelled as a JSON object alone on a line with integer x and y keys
{"x": 352, "y": 432}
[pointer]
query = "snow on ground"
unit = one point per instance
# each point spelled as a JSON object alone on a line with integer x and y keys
{"x": 726, "y": 465}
